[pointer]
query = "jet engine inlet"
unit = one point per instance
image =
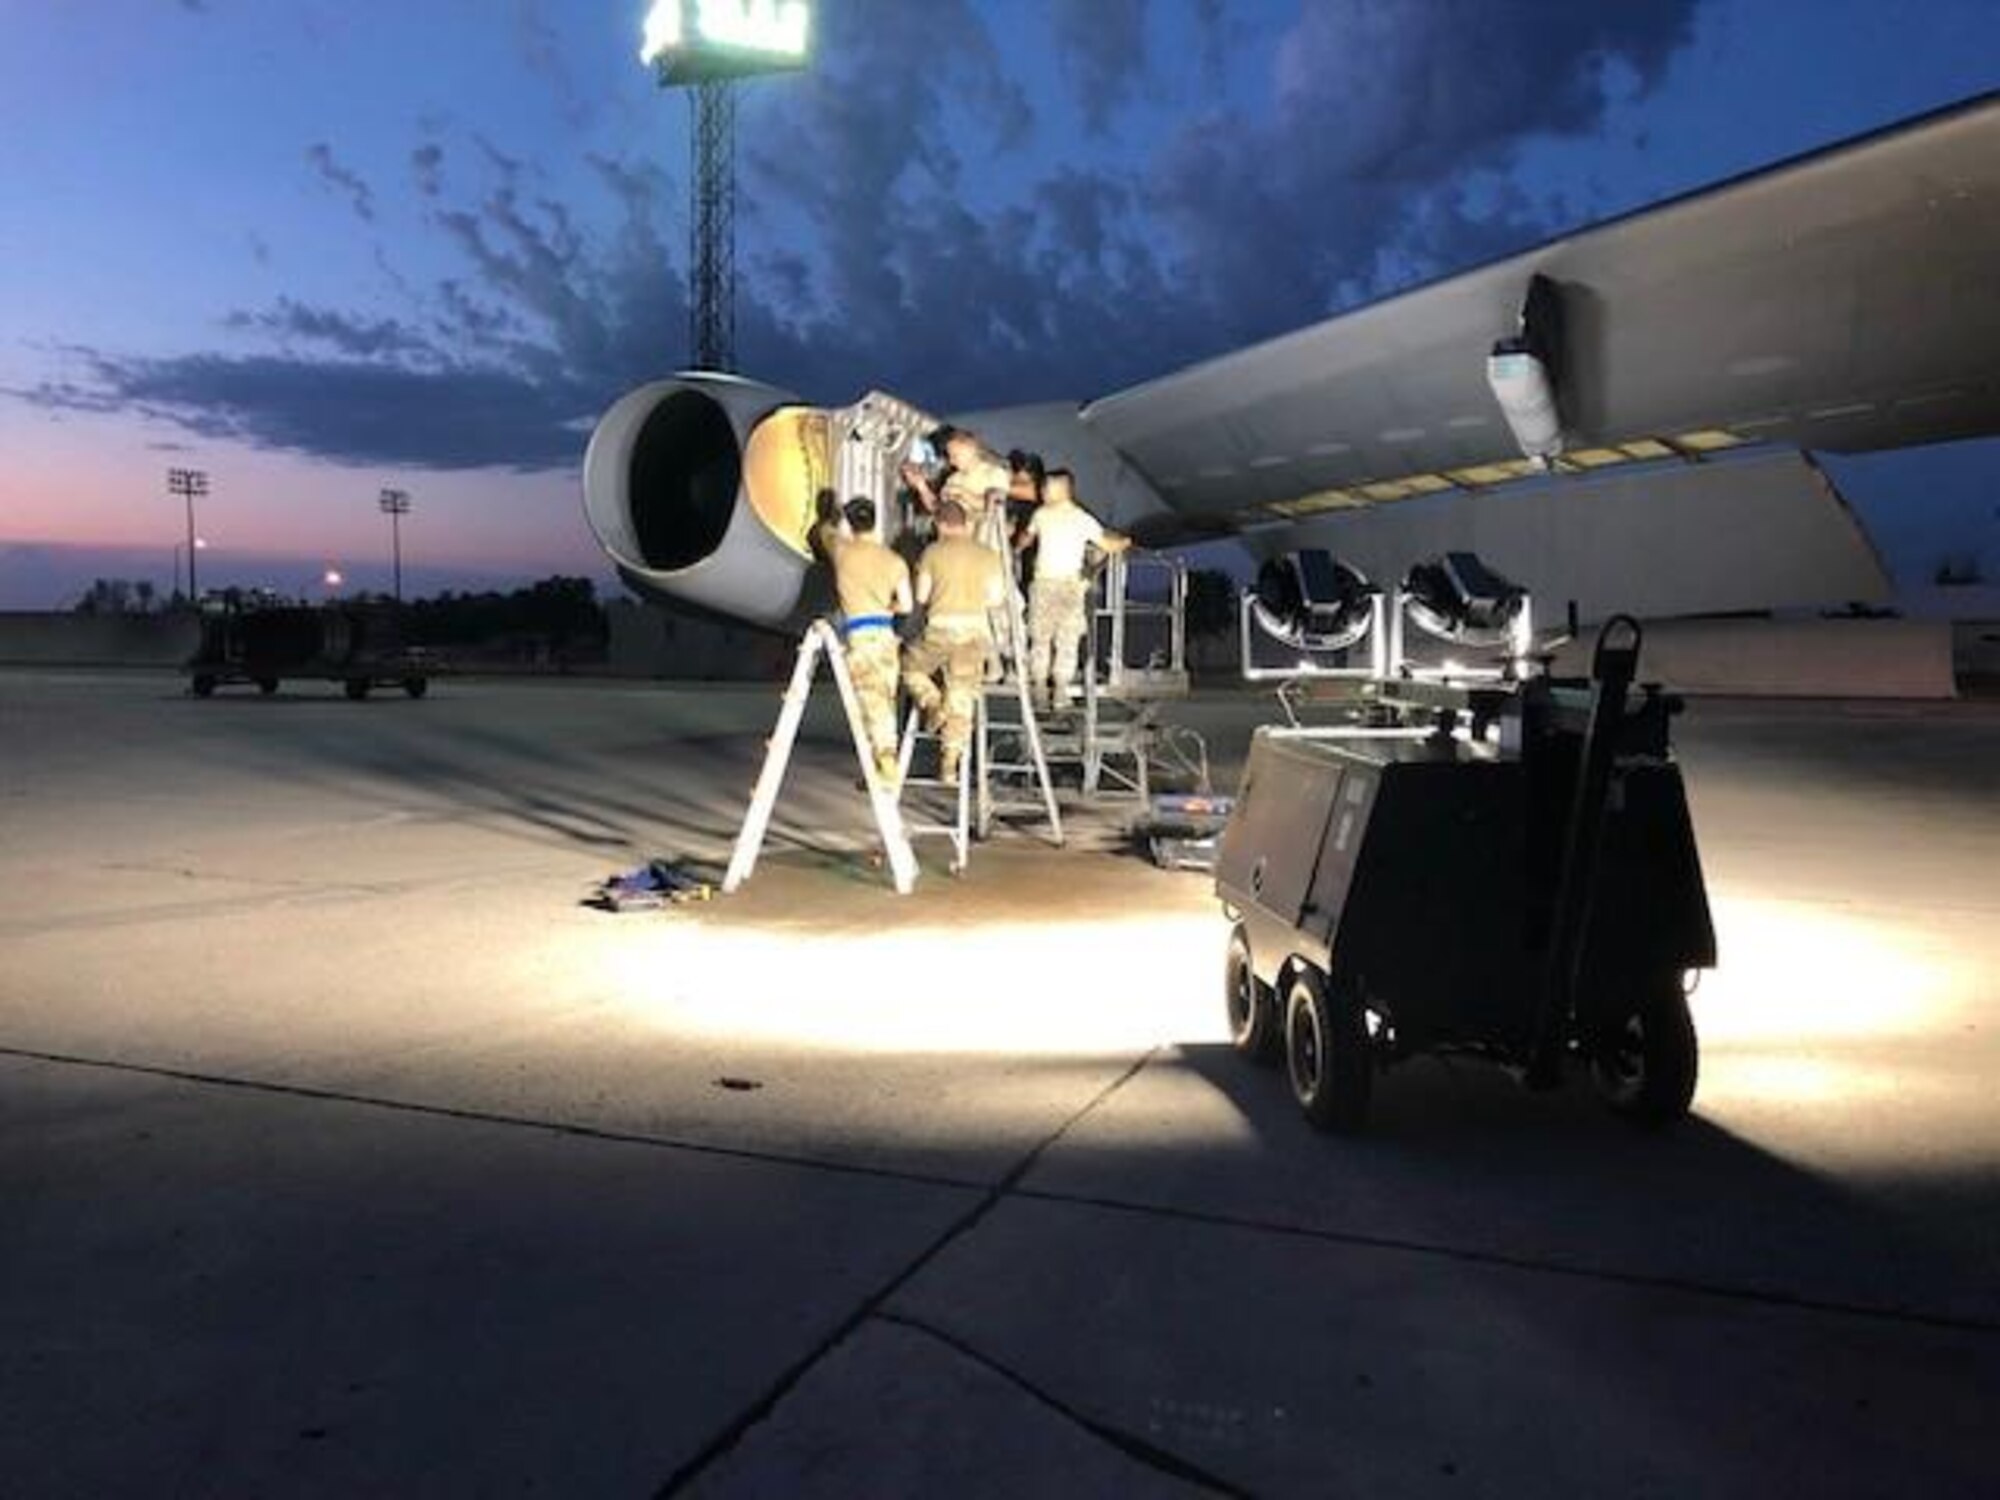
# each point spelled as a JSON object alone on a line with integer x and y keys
{"x": 685, "y": 470}
{"x": 703, "y": 489}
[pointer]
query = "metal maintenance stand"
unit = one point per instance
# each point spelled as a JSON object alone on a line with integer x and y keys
{"x": 1115, "y": 734}
{"x": 1013, "y": 763}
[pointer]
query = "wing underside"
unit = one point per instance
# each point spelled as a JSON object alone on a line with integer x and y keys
{"x": 1846, "y": 302}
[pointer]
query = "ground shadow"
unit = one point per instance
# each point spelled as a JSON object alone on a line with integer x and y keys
{"x": 1456, "y": 1154}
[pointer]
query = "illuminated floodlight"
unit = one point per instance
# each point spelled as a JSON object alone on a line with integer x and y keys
{"x": 333, "y": 578}
{"x": 663, "y": 32}
{"x": 1313, "y": 600}
{"x": 690, "y": 41}
{"x": 1457, "y": 598}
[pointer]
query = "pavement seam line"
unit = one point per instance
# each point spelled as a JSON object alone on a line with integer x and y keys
{"x": 738, "y": 1427}
{"x": 310, "y": 1093}
{"x": 1132, "y": 1446}
{"x": 1500, "y": 1258}
{"x": 1009, "y": 1187}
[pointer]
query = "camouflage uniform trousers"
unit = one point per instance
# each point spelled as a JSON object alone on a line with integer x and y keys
{"x": 990, "y": 530}
{"x": 960, "y": 650}
{"x": 872, "y": 658}
{"x": 1056, "y": 622}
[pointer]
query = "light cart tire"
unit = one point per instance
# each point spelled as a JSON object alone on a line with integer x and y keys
{"x": 1327, "y": 1053}
{"x": 1250, "y": 1005}
{"x": 202, "y": 687}
{"x": 416, "y": 687}
{"x": 1646, "y": 1063}
{"x": 357, "y": 688}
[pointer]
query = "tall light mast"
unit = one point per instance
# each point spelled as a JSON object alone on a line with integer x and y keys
{"x": 707, "y": 46}
{"x": 395, "y": 504}
{"x": 189, "y": 485}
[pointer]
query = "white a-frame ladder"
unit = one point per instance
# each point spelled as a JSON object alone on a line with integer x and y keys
{"x": 820, "y": 638}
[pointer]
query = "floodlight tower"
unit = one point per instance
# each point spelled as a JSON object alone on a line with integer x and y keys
{"x": 712, "y": 232}
{"x": 395, "y": 504}
{"x": 187, "y": 484}
{"x": 708, "y": 45}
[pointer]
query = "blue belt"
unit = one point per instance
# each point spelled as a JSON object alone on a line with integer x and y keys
{"x": 867, "y": 622}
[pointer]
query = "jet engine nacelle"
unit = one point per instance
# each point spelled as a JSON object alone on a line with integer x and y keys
{"x": 704, "y": 489}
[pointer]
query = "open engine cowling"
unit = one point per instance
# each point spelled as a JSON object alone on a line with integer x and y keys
{"x": 703, "y": 488}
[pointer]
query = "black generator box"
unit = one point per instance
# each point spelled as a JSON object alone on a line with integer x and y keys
{"x": 1427, "y": 892}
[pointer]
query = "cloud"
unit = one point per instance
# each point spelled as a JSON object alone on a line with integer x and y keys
{"x": 427, "y": 167}
{"x": 1378, "y": 110}
{"x": 540, "y": 45}
{"x": 1212, "y": 28}
{"x": 875, "y": 251}
{"x": 1348, "y": 179}
{"x": 341, "y": 332}
{"x": 1102, "y": 44}
{"x": 1082, "y": 211}
{"x": 343, "y": 180}
{"x": 510, "y": 168}
{"x": 356, "y": 412}
{"x": 502, "y": 366}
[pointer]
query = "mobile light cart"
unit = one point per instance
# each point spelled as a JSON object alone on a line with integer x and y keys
{"x": 1504, "y": 869}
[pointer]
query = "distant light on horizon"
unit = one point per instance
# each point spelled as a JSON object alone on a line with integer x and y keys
{"x": 333, "y": 578}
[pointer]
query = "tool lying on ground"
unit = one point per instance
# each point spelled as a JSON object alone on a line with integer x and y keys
{"x": 1183, "y": 830}
{"x": 655, "y": 884}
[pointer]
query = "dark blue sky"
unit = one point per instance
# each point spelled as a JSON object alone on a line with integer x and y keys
{"x": 318, "y": 247}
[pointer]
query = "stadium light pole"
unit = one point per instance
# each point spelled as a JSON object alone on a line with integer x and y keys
{"x": 188, "y": 483}
{"x": 708, "y": 47}
{"x": 395, "y": 504}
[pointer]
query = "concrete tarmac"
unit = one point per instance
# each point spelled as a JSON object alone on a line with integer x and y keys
{"x": 344, "y": 1151}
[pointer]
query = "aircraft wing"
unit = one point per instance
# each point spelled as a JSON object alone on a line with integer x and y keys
{"x": 1847, "y": 300}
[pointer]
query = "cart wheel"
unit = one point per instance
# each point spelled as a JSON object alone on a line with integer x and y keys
{"x": 357, "y": 688}
{"x": 202, "y": 687}
{"x": 1252, "y": 1009}
{"x": 267, "y": 685}
{"x": 1327, "y": 1053}
{"x": 1645, "y": 1066}
{"x": 416, "y": 687}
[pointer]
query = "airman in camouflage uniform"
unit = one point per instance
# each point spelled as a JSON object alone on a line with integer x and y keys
{"x": 1063, "y": 533}
{"x": 873, "y": 585}
{"x": 959, "y": 582}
